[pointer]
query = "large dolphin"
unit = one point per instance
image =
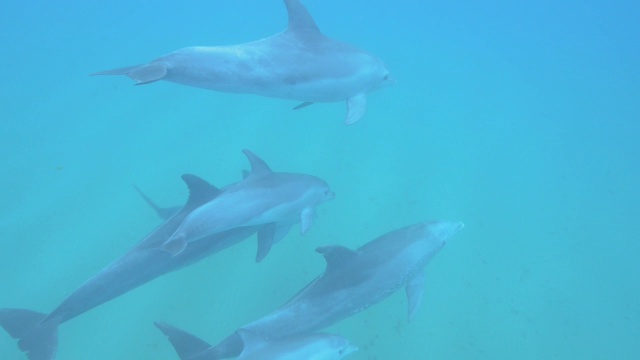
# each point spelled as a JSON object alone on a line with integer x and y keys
{"x": 37, "y": 333}
{"x": 317, "y": 346}
{"x": 352, "y": 282}
{"x": 277, "y": 200}
{"x": 298, "y": 64}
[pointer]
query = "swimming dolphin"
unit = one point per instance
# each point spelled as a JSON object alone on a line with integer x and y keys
{"x": 318, "y": 346}
{"x": 277, "y": 200}
{"x": 351, "y": 282}
{"x": 37, "y": 333}
{"x": 298, "y": 64}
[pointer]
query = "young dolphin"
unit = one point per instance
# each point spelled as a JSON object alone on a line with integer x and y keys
{"x": 317, "y": 346}
{"x": 352, "y": 282}
{"x": 37, "y": 333}
{"x": 298, "y": 64}
{"x": 276, "y": 200}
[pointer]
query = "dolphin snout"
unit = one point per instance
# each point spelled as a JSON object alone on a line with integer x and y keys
{"x": 390, "y": 80}
{"x": 444, "y": 230}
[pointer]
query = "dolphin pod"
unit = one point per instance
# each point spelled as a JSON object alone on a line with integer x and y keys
{"x": 298, "y": 64}
{"x": 37, "y": 332}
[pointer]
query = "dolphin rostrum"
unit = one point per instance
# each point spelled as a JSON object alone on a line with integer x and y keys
{"x": 299, "y": 63}
{"x": 37, "y": 333}
{"x": 351, "y": 282}
{"x": 276, "y": 200}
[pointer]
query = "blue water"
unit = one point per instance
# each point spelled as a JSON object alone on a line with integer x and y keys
{"x": 520, "y": 119}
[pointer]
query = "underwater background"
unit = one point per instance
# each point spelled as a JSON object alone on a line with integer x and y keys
{"x": 521, "y": 119}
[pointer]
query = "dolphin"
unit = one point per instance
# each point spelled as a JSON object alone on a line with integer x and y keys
{"x": 37, "y": 333}
{"x": 317, "y": 346}
{"x": 276, "y": 200}
{"x": 299, "y": 63}
{"x": 352, "y": 281}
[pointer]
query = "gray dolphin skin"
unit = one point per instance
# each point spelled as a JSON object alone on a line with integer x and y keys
{"x": 319, "y": 346}
{"x": 275, "y": 199}
{"x": 353, "y": 281}
{"x": 37, "y": 333}
{"x": 299, "y": 63}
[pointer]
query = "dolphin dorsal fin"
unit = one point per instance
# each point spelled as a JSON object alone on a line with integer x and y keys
{"x": 299, "y": 18}
{"x": 336, "y": 256}
{"x": 200, "y": 191}
{"x": 258, "y": 166}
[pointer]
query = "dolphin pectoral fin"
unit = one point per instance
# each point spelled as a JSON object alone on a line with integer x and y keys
{"x": 142, "y": 74}
{"x": 265, "y": 240}
{"x": 356, "y": 106}
{"x": 187, "y": 346}
{"x": 306, "y": 219}
{"x": 281, "y": 232}
{"x": 118, "y": 71}
{"x": 148, "y": 73}
{"x": 415, "y": 290}
{"x": 303, "y": 105}
{"x": 175, "y": 245}
{"x": 163, "y": 213}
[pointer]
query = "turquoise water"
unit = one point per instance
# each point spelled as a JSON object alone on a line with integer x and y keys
{"x": 522, "y": 120}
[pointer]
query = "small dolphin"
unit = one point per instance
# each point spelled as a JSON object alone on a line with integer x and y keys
{"x": 318, "y": 346}
{"x": 37, "y": 333}
{"x": 298, "y": 64}
{"x": 353, "y": 281}
{"x": 276, "y": 200}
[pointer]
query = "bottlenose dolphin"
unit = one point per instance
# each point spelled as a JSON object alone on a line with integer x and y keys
{"x": 264, "y": 197}
{"x": 37, "y": 333}
{"x": 318, "y": 346}
{"x": 298, "y": 64}
{"x": 351, "y": 282}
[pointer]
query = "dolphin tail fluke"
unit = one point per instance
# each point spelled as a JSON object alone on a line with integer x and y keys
{"x": 37, "y": 338}
{"x": 142, "y": 74}
{"x": 188, "y": 347}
